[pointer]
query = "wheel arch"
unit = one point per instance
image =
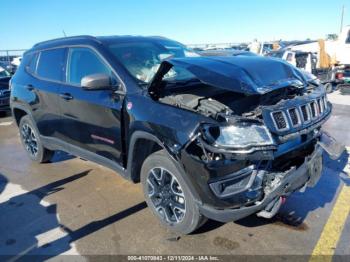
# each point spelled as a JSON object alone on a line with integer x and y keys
{"x": 141, "y": 145}
{"x": 153, "y": 144}
{"x": 18, "y": 112}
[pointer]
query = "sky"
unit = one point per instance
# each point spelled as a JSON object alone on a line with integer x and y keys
{"x": 26, "y": 22}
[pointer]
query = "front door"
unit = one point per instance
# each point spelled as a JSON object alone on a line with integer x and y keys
{"x": 91, "y": 120}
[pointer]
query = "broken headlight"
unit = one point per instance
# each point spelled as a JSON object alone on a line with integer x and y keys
{"x": 239, "y": 135}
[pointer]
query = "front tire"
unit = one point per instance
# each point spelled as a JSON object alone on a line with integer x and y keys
{"x": 31, "y": 142}
{"x": 168, "y": 195}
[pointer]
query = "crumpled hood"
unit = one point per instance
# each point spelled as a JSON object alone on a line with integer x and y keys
{"x": 243, "y": 74}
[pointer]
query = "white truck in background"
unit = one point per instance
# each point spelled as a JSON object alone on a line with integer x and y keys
{"x": 332, "y": 64}
{"x": 16, "y": 61}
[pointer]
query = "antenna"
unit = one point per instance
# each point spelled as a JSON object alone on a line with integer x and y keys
{"x": 64, "y": 33}
{"x": 342, "y": 18}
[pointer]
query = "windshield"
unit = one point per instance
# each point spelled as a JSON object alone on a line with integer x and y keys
{"x": 142, "y": 59}
{"x": 4, "y": 73}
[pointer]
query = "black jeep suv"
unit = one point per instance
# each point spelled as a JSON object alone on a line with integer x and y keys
{"x": 208, "y": 137}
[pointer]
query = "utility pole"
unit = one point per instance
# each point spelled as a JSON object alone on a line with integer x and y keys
{"x": 342, "y": 18}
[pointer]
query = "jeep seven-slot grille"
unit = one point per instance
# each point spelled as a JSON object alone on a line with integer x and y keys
{"x": 297, "y": 116}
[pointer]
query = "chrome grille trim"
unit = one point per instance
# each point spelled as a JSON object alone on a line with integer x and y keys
{"x": 320, "y": 105}
{"x": 314, "y": 109}
{"x": 308, "y": 113}
{"x": 325, "y": 102}
{"x": 297, "y": 115}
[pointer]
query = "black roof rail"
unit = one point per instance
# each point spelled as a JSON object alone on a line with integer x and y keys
{"x": 67, "y": 38}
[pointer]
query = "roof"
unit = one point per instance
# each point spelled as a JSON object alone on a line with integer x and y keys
{"x": 88, "y": 39}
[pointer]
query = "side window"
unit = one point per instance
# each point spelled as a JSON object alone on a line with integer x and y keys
{"x": 51, "y": 64}
{"x": 83, "y": 62}
{"x": 347, "y": 41}
{"x": 31, "y": 66}
{"x": 289, "y": 57}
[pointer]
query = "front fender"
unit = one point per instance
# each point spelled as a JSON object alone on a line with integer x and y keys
{"x": 172, "y": 156}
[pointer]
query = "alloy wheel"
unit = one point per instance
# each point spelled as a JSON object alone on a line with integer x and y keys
{"x": 166, "y": 195}
{"x": 29, "y": 140}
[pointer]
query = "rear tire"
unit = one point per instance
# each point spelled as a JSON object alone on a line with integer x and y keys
{"x": 31, "y": 142}
{"x": 168, "y": 195}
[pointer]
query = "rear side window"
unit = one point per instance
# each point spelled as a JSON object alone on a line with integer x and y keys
{"x": 51, "y": 64}
{"x": 33, "y": 59}
{"x": 83, "y": 62}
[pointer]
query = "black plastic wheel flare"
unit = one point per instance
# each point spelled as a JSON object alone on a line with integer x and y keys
{"x": 29, "y": 140}
{"x": 166, "y": 195}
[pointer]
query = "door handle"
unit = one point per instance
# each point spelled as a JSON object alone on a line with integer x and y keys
{"x": 30, "y": 87}
{"x": 66, "y": 96}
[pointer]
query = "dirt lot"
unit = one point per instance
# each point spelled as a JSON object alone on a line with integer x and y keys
{"x": 72, "y": 206}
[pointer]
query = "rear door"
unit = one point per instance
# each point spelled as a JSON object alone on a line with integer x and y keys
{"x": 91, "y": 120}
{"x": 45, "y": 77}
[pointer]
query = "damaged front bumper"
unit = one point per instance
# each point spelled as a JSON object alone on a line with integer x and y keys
{"x": 235, "y": 174}
{"x": 280, "y": 184}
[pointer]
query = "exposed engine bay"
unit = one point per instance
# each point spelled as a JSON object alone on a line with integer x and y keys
{"x": 259, "y": 127}
{"x": 218, "y": 104}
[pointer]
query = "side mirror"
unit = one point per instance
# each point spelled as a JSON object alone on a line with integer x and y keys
{"x": 96, "y": 82}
